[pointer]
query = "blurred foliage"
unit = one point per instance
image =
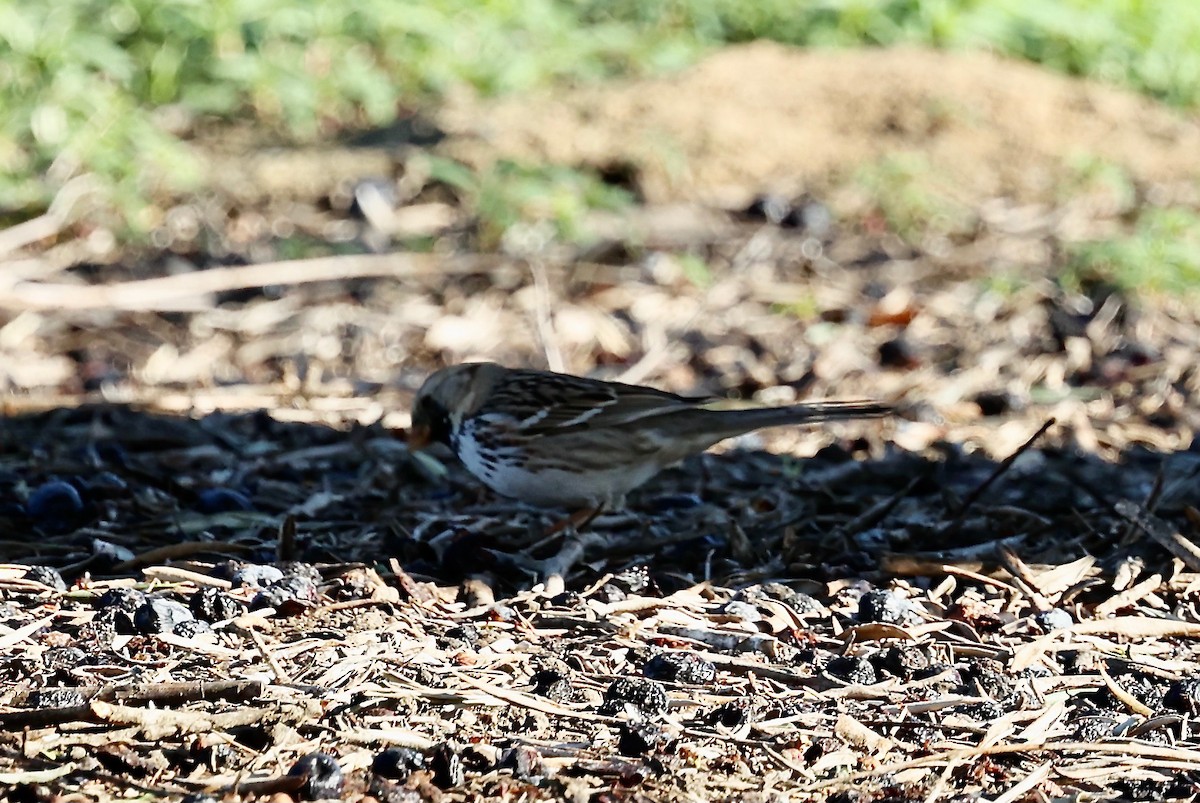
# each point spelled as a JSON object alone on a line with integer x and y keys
{"x": 509, "y": 193}
{"x": 903, "y": 189}
{"x": 696, "y": 270}
{"x": 1160, "y": 254}
{"x": 1152, "y": 46}
{"x": 1097, "y": 177}
{"x": 108, "y": 87}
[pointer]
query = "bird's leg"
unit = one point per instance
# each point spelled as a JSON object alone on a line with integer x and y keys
{"x": 579, "y": 520}
{"x": 582, "y": 519}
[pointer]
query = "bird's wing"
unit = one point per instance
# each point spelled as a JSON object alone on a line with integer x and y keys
{"x": 544, "y": 404}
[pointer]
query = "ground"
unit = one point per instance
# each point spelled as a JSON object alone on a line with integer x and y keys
{"x": 247, "y": 586}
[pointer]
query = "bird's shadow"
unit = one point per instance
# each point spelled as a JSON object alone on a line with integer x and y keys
{"x": 108, "y": 490}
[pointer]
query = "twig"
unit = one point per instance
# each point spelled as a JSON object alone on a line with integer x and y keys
{"x": 157, "y": 693}
{"x": 182, "y": 291}
{"x": 1132, "y": 703}
{"x": 932, "y": 561}
{"x": 1114, "y": 747}
{"x": 1018, "y": 790}
{"x": 553, "y": 571}
{"x": 656, "y": 348}
{"x": 61, "y": 212}
{"x": 183, "y": 549}
{"x": 1163, "y": 534}
{"x": 281, "y": 675}
{"x": 177, "y": 574}
{"x": 872, "y": 515}
{"x": 1004, "y": 466}
{"x": 543, "y": 303}
{"x": 285, "y": 546}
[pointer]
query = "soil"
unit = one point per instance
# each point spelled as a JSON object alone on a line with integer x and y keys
{"x": 766, "y": 118}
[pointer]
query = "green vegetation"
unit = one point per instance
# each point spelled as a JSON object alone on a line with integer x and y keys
{"x": 902, "y": 189}
{"x": 695, "y": 270}
{"x": 107, "y": 86}
{"x": 509, "y": 193}
{"x": 1161, "y": 254}
{"x": 805, "y": 309}
{"x": 1091, "y": 175}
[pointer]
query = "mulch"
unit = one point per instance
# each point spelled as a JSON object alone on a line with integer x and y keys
{"x": 225, "y": 575}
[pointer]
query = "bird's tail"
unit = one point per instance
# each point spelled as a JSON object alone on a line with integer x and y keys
{"x": 834, "y": 410}
{"x": 807, "y": 413}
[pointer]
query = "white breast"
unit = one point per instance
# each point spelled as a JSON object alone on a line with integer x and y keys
{"x": 549, "y": 486}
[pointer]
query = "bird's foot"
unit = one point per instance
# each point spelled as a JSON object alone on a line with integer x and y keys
{"x": 553, "y": 571}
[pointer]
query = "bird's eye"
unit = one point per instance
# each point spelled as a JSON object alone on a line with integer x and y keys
{"x": 434, "y": 416}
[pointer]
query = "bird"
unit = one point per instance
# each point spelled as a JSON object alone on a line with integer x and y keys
{"x": 556, "y": 440}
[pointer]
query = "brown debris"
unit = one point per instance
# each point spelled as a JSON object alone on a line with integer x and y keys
{"x": 225, "y": 574}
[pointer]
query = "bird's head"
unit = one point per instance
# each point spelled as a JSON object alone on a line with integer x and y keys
{"x": 447, "y": 397}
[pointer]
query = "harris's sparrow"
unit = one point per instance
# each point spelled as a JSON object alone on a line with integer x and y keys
{"x": 556, "y": 440}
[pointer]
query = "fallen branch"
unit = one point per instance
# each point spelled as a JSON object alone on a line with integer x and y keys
{"x": 1179, "y": 758}
{"x": 141, "y": 693}
{"x": 185, "y": 291}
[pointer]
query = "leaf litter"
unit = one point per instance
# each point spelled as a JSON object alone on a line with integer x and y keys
{"x": 225, "y": 577}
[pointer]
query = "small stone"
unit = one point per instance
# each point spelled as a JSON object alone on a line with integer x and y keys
{"x": 111, "y": 553}
{"x": 798, "y": 601}
{"x": 646, "y": 696}
{"x": 460, "y": 636}
{"x": 161, "y": 615}
{"x": 47, "y": 576}
{"x": 256, "y": 576}
{"x": 987, "y": 711}
{"x": 905, "y": 660}
{"x": 898, "y": 353}
{"x": 1183, "y": 696}
{"x": 639, "y": 737}
{"x": 63, "y": 657}
{"x": 680, "y": 667}
{"x": 742, "y": 610}
{"x": 634, "y": 580}
{"x": 993, "y": 403}
{"x": 55, "y": 698}
{"x": 852, "y": 670}
{"x": 107, "y": 485}
{"x": 222, "y": 500}
{"x": 397, "y": 763}
{"x": 813, "y": 217}
{"x": 446, "y": 764}
{"x": 525, "y": 762}
{"x": 191, "y": 628}
{"x": 553, "y": 685}
{"x": 770, "y": 208}
{"x": 117, "y": 607}
{"x": 1094, "y": 729}
{"x": 289, "y": 596}
{"x": 1053, "y": 619}
{"x": 731, "y": 715}
{"x": 322, "y": 776}
{"x": 55, "y": 504}
{"x": 881, "y": 605}
{"x": 214, "y": 605}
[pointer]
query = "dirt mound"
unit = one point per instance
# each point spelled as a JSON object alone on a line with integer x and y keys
{"x": 767, "y": 117}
